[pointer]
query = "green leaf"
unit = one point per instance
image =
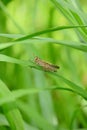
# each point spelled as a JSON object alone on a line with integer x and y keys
{"x": 11, "y": 35}
{"x": 5, "y": 58}
{"x": 49, "y": 30}
{"x": 78, "y": 89}
{"x": 10, "y": 110}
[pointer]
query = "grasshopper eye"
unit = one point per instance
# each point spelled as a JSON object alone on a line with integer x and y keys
{"x": 36, "y": 58}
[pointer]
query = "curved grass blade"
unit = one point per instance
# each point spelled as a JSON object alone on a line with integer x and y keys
{"x": 10, "y": 110}
{"x": 20, "y": 37}
{"x": 24, "y": 92}
{"x": 75, "y": 87}
{"x": 5, "y": 58}
{"x": 78, "y": 89}
{"x": 15, "y": 94}
{"x": 74, "y": 116}
{"x": 72, "y": 44}
{"x": 35, "y": 116}
{"x": 49, "y": 30}
{"x": 11, "y": 35}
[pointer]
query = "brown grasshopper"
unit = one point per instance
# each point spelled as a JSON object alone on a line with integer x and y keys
{"x": 46, "y": 66}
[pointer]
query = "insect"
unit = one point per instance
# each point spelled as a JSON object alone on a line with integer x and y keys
{"x": 46, "y": 66}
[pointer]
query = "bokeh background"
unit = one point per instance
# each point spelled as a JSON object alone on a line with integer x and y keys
{"x": 46, "y": 110}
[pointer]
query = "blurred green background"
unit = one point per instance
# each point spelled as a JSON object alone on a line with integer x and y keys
{"x": 47, "y": 110}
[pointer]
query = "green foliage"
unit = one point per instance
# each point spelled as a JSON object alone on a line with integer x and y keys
{"x": 31, "y": 98}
